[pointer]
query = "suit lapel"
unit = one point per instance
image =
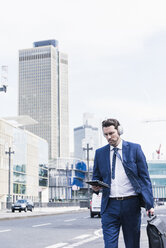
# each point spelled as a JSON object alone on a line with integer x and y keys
{"x": 125, "y": 153}
{"x": 107, "y": 157}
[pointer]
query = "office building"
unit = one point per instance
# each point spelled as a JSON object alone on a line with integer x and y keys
{"x": 86, "y": 134}
{"x": 26, "y": 176}
{"x": 43, "y": 94}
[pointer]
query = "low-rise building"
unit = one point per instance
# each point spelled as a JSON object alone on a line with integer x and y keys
{"x": 23, "y": 165}
{"x": 157, "y": 171}
{"x": 67, "y": 177}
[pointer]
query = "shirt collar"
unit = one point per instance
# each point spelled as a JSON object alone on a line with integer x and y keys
{"x": 119, "y": 146}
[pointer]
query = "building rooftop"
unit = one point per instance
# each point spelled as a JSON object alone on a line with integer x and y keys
{"x": 21, "y": 120}
{"x": 85, "y": 126}
{"x": 45, "y": 43}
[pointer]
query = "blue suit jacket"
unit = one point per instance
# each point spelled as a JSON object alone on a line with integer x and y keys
{"x": 135, "y": 166}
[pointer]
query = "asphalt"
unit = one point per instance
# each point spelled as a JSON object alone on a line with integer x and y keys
{"x": 7, "y": 214}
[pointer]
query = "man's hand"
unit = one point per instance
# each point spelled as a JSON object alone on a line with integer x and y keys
{"x": 150, "y": 211}
{"x": 96, "y": 188}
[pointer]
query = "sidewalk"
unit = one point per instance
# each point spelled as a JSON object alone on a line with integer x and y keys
{"x": 7, "y": 214}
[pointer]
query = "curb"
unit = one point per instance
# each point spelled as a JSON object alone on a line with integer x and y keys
{"x": 13, "y": 216}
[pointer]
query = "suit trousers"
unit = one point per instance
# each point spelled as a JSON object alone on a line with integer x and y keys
{"x": 122, "y": 213}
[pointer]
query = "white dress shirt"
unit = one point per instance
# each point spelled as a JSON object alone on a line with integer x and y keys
{"x": 120, "y": 186}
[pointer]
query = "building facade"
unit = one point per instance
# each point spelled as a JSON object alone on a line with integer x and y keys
{"x": 25, "y": 173}
{"x": 157, "y": 171}
{"x": 67, "y": 178}
{"x": 43, "y": 94}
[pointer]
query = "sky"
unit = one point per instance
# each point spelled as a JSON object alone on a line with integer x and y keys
{"x": 117, "y": 60}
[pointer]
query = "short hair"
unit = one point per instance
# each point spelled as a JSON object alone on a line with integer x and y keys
{"x": 110, "y": 122}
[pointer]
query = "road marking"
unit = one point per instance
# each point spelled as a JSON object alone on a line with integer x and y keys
{"x": 46, "y": 224}
{"x": 69, "y": 220}
{"x": 82, "y": 236}
{"x": 81, "y": 242}
{"x": 87, "y": 217}
{"x": 7, "y": 230}
{"x": 57, "y": 245}
{"x": 96, "y": 233}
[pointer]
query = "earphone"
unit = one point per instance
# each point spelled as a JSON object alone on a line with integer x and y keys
{"x": 120, "y": 130}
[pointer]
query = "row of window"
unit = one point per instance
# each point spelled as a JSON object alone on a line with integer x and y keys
{"x": 64, "y": 61}
{"x": 19, "y": 188}
{"x": 37, "y": 56}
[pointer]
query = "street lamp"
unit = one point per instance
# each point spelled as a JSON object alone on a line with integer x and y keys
{"x": 3, "y": 88}
{"x": 9, "y": 152}
{"x": 67, "y": 186}
{"x": 88, "y": 148}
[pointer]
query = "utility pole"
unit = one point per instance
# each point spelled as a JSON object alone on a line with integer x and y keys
{"x": 88, "y": 149}
{"x": 9, "y": 193}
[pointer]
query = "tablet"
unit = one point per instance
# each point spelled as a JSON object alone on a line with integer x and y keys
{"x": 98, "y": 183}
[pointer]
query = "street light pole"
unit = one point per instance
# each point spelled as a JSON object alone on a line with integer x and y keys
{"x": 88, "y": 149}
{"x": 3, "y": 88}
{"x": 67, "y": 182}
{"x": 9, "y": 152}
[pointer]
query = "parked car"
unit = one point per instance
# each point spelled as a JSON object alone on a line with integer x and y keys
{"x": 23, "y": 205}
{"x": 159, "y": 203}
{"x": 95, "y": 204}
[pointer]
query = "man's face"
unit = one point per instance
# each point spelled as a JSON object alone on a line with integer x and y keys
{"x": 112, "y": 136}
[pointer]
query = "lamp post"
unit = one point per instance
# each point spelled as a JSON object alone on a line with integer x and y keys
{"x": 88, "y": 149}
{"x": 3, "y": 88}
{"x": 9, "y": 152}
{"x": 67, "y": 187}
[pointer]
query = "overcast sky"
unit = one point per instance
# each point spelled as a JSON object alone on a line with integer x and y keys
{"x": 117, "y": 59}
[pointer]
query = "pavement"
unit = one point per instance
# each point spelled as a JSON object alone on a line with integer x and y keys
{"x": 7, "y": 214}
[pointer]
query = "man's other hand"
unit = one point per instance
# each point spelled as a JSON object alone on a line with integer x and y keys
{"x": 96, "y": 188}
{"x": 150, "y": 212}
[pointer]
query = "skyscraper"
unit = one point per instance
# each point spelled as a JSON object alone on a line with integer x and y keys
{"x": 43, "y": 94}
{"x": 86, "y": 134}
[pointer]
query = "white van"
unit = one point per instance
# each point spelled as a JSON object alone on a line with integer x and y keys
{"x": 95, "y": 204}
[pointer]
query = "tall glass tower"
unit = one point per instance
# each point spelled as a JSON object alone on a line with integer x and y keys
{"x": 43, "y": 94}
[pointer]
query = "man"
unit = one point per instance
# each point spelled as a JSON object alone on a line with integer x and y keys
{"x": 122, "y": 165}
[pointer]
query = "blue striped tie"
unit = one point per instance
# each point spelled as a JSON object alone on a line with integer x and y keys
{"x": 114, "y": 161}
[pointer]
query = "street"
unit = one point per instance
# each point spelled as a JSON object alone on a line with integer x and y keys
{"x": 66, "y": 230}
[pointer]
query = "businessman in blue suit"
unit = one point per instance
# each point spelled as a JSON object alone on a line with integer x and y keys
{"x": 122, "y": 165}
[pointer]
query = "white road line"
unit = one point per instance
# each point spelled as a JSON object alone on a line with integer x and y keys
{"x": 98, "y": 233}
{"x": 69, "y": 220}
{"x": 87, "y": 238}
{"x": 7, "y": 230}
{"x": 87, "y": 217}
{"x": 82, "y": 236}
{"x": 81, "y": 242}
{"x": 46, "y": 224}
{"x": 57, "y": 245}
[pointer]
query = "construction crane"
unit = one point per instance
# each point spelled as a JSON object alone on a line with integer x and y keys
{"x": 4, "y": 78}
{"x": 154, "y": 120}
{"x": 158, "y": 151}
